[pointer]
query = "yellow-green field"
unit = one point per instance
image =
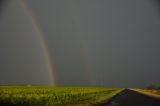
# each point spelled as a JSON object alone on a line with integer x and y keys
{"x": 54, "y": 96}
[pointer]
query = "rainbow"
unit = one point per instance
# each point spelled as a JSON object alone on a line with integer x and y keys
{"x": 42, "y": 41}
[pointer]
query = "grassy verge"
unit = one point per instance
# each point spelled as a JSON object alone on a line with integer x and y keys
{"x": 108, "y": 97}
{"x": 151, "y": 93}
{"x": 54, "y": 96}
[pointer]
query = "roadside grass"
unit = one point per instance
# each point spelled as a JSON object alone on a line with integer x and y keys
{"x": 151, "y": 93}
{"x": 54, "y": 96}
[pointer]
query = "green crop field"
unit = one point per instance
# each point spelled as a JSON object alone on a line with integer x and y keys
{"x": 54, "y": 96}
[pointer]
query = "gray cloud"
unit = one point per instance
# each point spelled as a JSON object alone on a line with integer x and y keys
{"x": 114, "y": 43}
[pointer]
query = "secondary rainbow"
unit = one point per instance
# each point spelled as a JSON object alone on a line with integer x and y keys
{"x": 43, "y": 42}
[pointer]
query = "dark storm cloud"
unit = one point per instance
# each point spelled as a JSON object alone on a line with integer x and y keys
{"x": 2, "y": 3}
{"x": 112, "y": 43}
{"x": 157, "y": 2}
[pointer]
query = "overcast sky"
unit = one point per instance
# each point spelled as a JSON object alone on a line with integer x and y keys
{"x": 111, "y": 43}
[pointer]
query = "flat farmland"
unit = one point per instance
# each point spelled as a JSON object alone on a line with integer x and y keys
{"x": 54, "y": 96}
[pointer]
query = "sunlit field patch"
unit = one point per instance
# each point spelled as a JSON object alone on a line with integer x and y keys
{"x": 152, "y": 93}
{"x": 53, "y": 96}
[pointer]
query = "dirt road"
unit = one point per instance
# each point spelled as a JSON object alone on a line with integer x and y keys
{"x": 132, "y": 98}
